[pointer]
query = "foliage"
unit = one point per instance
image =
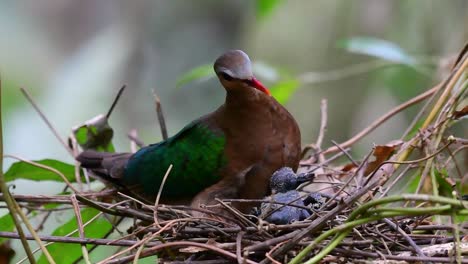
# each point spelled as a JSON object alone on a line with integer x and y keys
{"x": 28, "y": 171}
{"x": 69, "y": 253}
{"x": 265, "y": 7}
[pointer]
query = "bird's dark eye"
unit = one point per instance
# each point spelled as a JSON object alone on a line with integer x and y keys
{"x": 227, "y": 77}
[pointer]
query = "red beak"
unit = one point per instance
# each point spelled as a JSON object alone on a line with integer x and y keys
{"x": 259, "y": 86}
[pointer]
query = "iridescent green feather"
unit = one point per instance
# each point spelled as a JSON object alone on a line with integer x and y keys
{"x": 196, "y": 153}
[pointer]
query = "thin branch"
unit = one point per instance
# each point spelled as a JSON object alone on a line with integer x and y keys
{"x": 109, "y": 112}
{"x": 79, "y": 221}
{"x": 48, "y": 123}
{"x": 153, "y": 250}
{"x": 156, "y": 202}
{"x": 383, "y": 118}
{"x": 6, "y": 192}
{"x": 159, "y": 111}
{"x": 78, "y": 240}
{"x": 405, "y": 236}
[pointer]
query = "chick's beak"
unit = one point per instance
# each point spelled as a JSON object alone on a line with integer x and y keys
{"x": 259, "y": 86}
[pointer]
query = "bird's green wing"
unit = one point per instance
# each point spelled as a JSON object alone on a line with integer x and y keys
{"x": 196, "y": 153}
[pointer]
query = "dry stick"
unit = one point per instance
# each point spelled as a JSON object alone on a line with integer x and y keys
{"x": 361, "y": 166}
{"x": 360, "y": 253}
{"x": 156, "y": 203}
{"x": 153, "y": 250}
{"x": 383, "y": 118}
{"x": 8, "y": 198}
{"x": 119, "y": 93}
{"x": 71, "y": 233}
{"x": 33, "y": 233}
{"x": 44, "y": 118}
{"x": 407, "y": 238}
{"x": 79, "y": 221}
{"x": 345, "y": 152}
{"x": 240, "y": 259}
{"x": 323, "y": 128}
{"x": 67, "y": 182}
{"x": 134, "y": 138}
{"x": 397, "y": 179}
{"x": 268, "y": 254}
{"x": 162, "y": 122}
{"x": 448, "y": 88}
{"x": 77, "y": 240}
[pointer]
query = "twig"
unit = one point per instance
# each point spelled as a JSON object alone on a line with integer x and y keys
{"x": 134, "y": 138}
{"x": 382, "y": 119}
{"x": 452, "y": 80}
{"x": 153, "y": 250}
{"x": 159, "y": 111}
{"x": 268, "y": 254}
{"x": 323, "y": 128}
{"x": 361, "y": 254}
{"x": 240, "y": 259}
{"x": 109, "y": 112}
{"x": 405, "y": 236}
{"x": 77, "y": 240}
{"x": 346, "y": 153}
{"x": 33, "y": 233}
{"x": 79, "y": 221}
{"x": 156, "y": 202}
{"x": 44, "y": 118}
{"x": 359, "y": 168}
{"x": 6, "y": 192}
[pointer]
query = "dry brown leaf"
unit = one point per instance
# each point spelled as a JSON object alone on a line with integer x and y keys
{"x": 381, "y": 154}
{"x": 461, "y": 113}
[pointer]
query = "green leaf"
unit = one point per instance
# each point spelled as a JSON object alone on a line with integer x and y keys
{"x": 266, "y": 7}
{"x": 23, "y": 170}
{"x": 6, "y": 225}
{"x": 412, "y": 182}
{"x": 377, "y": 48}
{"x": 282, "y": 91}
{"x": 69, "y": 253}
{"x": 95, "y": 134}
{"x": 199, "y": 73}
{"x": 445, "y": 189}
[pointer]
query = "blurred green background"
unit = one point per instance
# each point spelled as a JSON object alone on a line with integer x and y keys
{"x": 74, "y": 55}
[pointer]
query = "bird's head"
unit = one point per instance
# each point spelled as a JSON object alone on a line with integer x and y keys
{"x": 234, "y": 71}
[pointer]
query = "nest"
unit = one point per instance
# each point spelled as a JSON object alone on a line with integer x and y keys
{"x": 364, "y": 218}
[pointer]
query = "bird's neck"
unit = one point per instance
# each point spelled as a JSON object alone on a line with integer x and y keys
{"x": 243, "y": 98}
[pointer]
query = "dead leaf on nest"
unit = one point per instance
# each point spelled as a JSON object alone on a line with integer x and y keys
{"x": 381, "y": 154}
{"x": 461, "y": 113}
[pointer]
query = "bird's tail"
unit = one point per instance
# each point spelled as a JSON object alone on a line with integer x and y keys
{"x": 103, "y": 163}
